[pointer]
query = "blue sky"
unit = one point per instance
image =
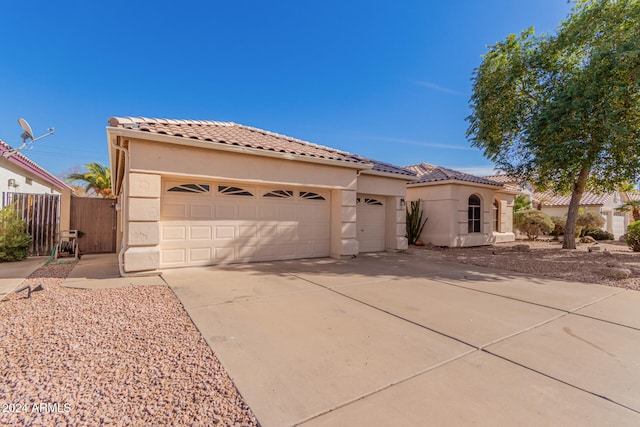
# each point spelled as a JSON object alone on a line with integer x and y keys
{"x": 388, "y": 80}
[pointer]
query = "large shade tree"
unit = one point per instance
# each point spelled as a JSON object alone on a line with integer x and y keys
{"x": 563, "y": 111}
{"x": 96, "y": 179}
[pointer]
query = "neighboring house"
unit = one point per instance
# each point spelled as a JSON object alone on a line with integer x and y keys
{"x": 43, "y": 200}
{"x": 463, "y": 209}
{"x": 202, "y": 192}
{"x": 603, "y": 204}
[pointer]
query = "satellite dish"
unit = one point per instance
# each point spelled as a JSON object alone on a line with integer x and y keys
{"x": 28, "y": 133}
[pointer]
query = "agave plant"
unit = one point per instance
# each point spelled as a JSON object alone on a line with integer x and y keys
{"x": 415, "y": 224}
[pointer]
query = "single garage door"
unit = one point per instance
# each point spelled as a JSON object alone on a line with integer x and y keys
{"x": 208, "y": 223}
{"x": 370, "y": 211}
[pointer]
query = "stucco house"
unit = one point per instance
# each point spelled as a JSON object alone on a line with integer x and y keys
{"x": 196, "y": 193}
{"x": 463, "y": 209}
{"x": 603, "y": 204}
{"x": 43, "y": 200}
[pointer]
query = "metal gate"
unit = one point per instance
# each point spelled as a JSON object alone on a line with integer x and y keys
{"x": 42, "y": 214}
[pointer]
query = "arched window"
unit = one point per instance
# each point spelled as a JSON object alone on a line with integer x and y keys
{"x": 474, "y": 214}
{"x": 496, "y": 215}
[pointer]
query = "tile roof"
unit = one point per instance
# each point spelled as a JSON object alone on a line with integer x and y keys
{"x": 548, "y": 198}
{"x": 29, "y": 165}
{"x": 502, "y": 178}
{"x": 633, "y": 195}
{"x": 230, "y": 133}
{"x": 430, "y": 173}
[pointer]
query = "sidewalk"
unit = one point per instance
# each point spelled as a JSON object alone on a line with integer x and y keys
{"x": 13, "y": 273}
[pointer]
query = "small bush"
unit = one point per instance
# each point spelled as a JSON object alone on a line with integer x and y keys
{"x": 589, "y": 221}
{"x": 599, "y": 234}
{"x": 533, "y": 223}
{"x": 14, "y": 240}
{"x": 560, "y": 222}
{"x": 633, "y": 236}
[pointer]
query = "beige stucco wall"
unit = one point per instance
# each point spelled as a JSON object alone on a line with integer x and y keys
{"x": 151, "y": 162}
{"x": 169, "y": 160}
{"x": 446, "y": 207}
{"x": 142, "y": 223}
{"x": 393, "y": 191}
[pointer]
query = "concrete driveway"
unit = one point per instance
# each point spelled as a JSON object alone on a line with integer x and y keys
{"x": 394, "y": 339}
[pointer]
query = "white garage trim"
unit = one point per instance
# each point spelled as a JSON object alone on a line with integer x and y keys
{"x": 206, "y": 223}
{"x": 370, "y": 222}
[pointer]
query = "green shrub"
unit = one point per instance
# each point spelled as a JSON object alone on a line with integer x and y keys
{"x": 520, "y": 203}
{"x": 14, "y": 240}
{"x": 559, "y": 224}
{"x": 633, "y": 236}
{"x": 533, "y": 223}
{"x": 589, "y": 221}
{"x": 599, "y": 234}
{"x": 414, "y": 222}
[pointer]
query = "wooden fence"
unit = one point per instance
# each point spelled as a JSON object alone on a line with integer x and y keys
{"x": 95, "y": 220}
{"x": 42, "y": 215}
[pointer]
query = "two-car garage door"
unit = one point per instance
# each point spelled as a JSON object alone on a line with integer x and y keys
{"x": 208, "y": 223}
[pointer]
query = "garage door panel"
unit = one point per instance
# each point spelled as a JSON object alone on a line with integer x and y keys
{"x": 200, "y": 229}
{"x": 200, "y": 254}
{"x": 200, "y": 211}
{"x": 173, "y": 256}
{"x": 248, "y": 231}
{"x": 247, "y": 252}
{"x": 225, "y": 232}
{"x": 268, "y": 212}
{"x": 224, "y": 254}
{"x": 287, "y": 213}
{"x": 200, "y": 232}
{"x": 247, "y": 212}
{"x": 174, "y": 210}
{"x": 288, "y": 231}
{"x": 173, "y": 232}
{"x": 225, "y": 212}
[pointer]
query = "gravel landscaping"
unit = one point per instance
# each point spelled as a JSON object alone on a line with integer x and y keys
{"x": 606, "y": 263}
{"x": 128, "y": 356}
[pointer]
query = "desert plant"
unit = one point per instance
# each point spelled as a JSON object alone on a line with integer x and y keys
{"x": 632, "y": 206}
{"x": 559, "y": 223}
{"x": 633, "y": 236}
{"x": 533, "y": 223}
{"x": 415, "y": 224}
{"x": 14, "y": 240}
{"x": 599, "y": 234}
{"x": 520, "y": 203}
{"x": 588, "y": 221}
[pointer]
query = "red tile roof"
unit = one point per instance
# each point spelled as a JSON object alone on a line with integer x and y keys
{"x": 230, "y": 133}
{"x": 548, "y": 198}
{"x": 430, "y": 173}
{"x": 29, "y": 165}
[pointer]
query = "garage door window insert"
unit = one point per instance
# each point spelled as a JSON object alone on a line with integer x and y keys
{"x": 190, "y": 188}
{"x": 233, "y": 191}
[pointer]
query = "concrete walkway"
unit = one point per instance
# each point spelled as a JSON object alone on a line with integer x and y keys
{"x": 13, "y": 273}
{"x": 391, "y": 339}
{"x": 100, "y": 271}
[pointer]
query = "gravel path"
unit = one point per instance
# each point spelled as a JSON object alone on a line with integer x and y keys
{"x": 547, "y": 258}
{"x": 112, "y": 357}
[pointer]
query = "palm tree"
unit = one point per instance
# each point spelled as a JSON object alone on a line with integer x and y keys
{"x": 632, "y": 206}
{"x": 97, "y": 179}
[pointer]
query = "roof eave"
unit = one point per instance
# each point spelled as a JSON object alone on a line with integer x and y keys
{"x": 395, "y": 175}
{"x": 178, "y": 140}
{"x": 497, "y": 187}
